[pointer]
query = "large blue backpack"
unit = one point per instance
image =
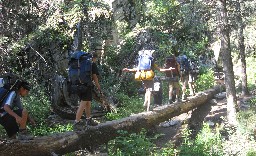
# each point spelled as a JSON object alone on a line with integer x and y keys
{"x": 80, "y": 68}
{"x": 184, "y": 64}
{"x": 145, "y": 60}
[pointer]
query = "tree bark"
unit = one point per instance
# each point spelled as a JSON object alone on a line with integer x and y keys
{"x": 227, "y": 64}
{"x": 88, "y": 137}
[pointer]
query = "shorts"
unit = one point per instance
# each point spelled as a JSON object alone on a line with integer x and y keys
{"x": 174, "y": 84}
{"x": 191, "y": 78}
{"x": 148, "y": 84}
{"x": 9, "y": 123}
{"x": 184, "y": 79}
{"x": 85, "y": 93}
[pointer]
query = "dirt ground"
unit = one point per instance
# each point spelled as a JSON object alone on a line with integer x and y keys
{"x": 211, "y": 113}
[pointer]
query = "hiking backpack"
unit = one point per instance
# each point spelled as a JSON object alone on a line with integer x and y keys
{"x": 184, "y": 64}
{"x": 170, "y": 61}
{"x": 194, "y": 67}
{"x": 145, "y": 60}
{"x": 8, "y": 83}
{"x": 144, "y": 68}
{"x": 80, "y": 68}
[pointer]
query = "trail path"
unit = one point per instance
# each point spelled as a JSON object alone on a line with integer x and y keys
{"x": 211, "y": 113}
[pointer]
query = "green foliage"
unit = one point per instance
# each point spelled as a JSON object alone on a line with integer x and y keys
{"x": 206, "y": 143}
{"x": 205, "y": 80}
{"x": 251, "y": 74}
{"x": 169, "y": 150}
{"x": 247, "y": 118}
{"x": 131, "y": 144}
{"x": 252, "y": 152}
{"x": 129, "y": 105}
{"x": 37, "y": 104}
{"x": 160, "y": 13}
{"x": 43, "y": 129}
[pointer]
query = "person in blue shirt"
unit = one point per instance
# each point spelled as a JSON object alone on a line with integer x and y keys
{"x": 13, "y": 117}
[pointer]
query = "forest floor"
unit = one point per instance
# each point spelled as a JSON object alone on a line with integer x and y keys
{"x": 212, "y": 113}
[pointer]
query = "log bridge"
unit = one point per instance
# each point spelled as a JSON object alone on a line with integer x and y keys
{"x": 66, "y": 142}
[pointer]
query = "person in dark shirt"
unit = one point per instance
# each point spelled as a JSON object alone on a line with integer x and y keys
{"x": 13, "y": 116}
{"x": 85, "y": 96}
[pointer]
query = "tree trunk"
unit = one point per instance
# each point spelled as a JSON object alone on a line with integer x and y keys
{"x": 88, "y": 137}
{"x": 227, "y": 64}
{"x": 242, "y": 49}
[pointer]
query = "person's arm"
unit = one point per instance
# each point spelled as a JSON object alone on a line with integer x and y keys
{"x": 162, "y": 69}
{"x": 96, "y": 81}
{"x": 129, "y": 70}
{"x": 178, "y": 65}
{"x": 168, "y": 69}
{"x": 9, "y": 111}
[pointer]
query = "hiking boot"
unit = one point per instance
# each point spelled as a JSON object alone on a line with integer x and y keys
{"x": 177, "y": 100}
{"x": 170, "y": 101}
{"x": 78, "y": 123}
{"x": 91, "y": 122}
{"x": 23, "y": 135}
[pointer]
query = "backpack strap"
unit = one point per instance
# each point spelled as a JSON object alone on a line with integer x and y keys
{"x": 178, "y": 69}
{"x": 78, "y": 63}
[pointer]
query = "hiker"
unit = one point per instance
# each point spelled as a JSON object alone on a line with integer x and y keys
{"x": 184, "y": 73}
{"x": 145, "y": 70}
{"x": 85, "y": 96}
{"x": 193, "y": 73}
{"x": 13, "y": 116}
{"x": 173, "y": 77}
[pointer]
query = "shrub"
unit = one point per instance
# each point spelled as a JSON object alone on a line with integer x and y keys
{"x": 131, "y": 144}
{"x": 206, "y": 143}
{"x": 205, "y": 80}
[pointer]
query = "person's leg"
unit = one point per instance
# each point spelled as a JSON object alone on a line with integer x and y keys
{"x": 184, "y": 86}
{"x": 177, "y": 86}
{"x": 85, "y": 95}
{"x": 149, "y": 99}
{"x": 10, "y": 125}
{"x": 80, "y": 110}
{"x": 88, "y": 109}
{"x": 191, "y": 85}
{"x": 170, "y": 92}
{"x": 191, "y": 88}
{"x": 24, "y": 118}
{"x": 149, "y": 87}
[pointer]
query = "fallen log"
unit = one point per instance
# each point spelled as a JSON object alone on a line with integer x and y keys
{"x": 62, "y": 143}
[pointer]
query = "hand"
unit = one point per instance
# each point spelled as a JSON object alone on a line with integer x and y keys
{"x": 125, "y": 69}
{"x": 32, "y": 121}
